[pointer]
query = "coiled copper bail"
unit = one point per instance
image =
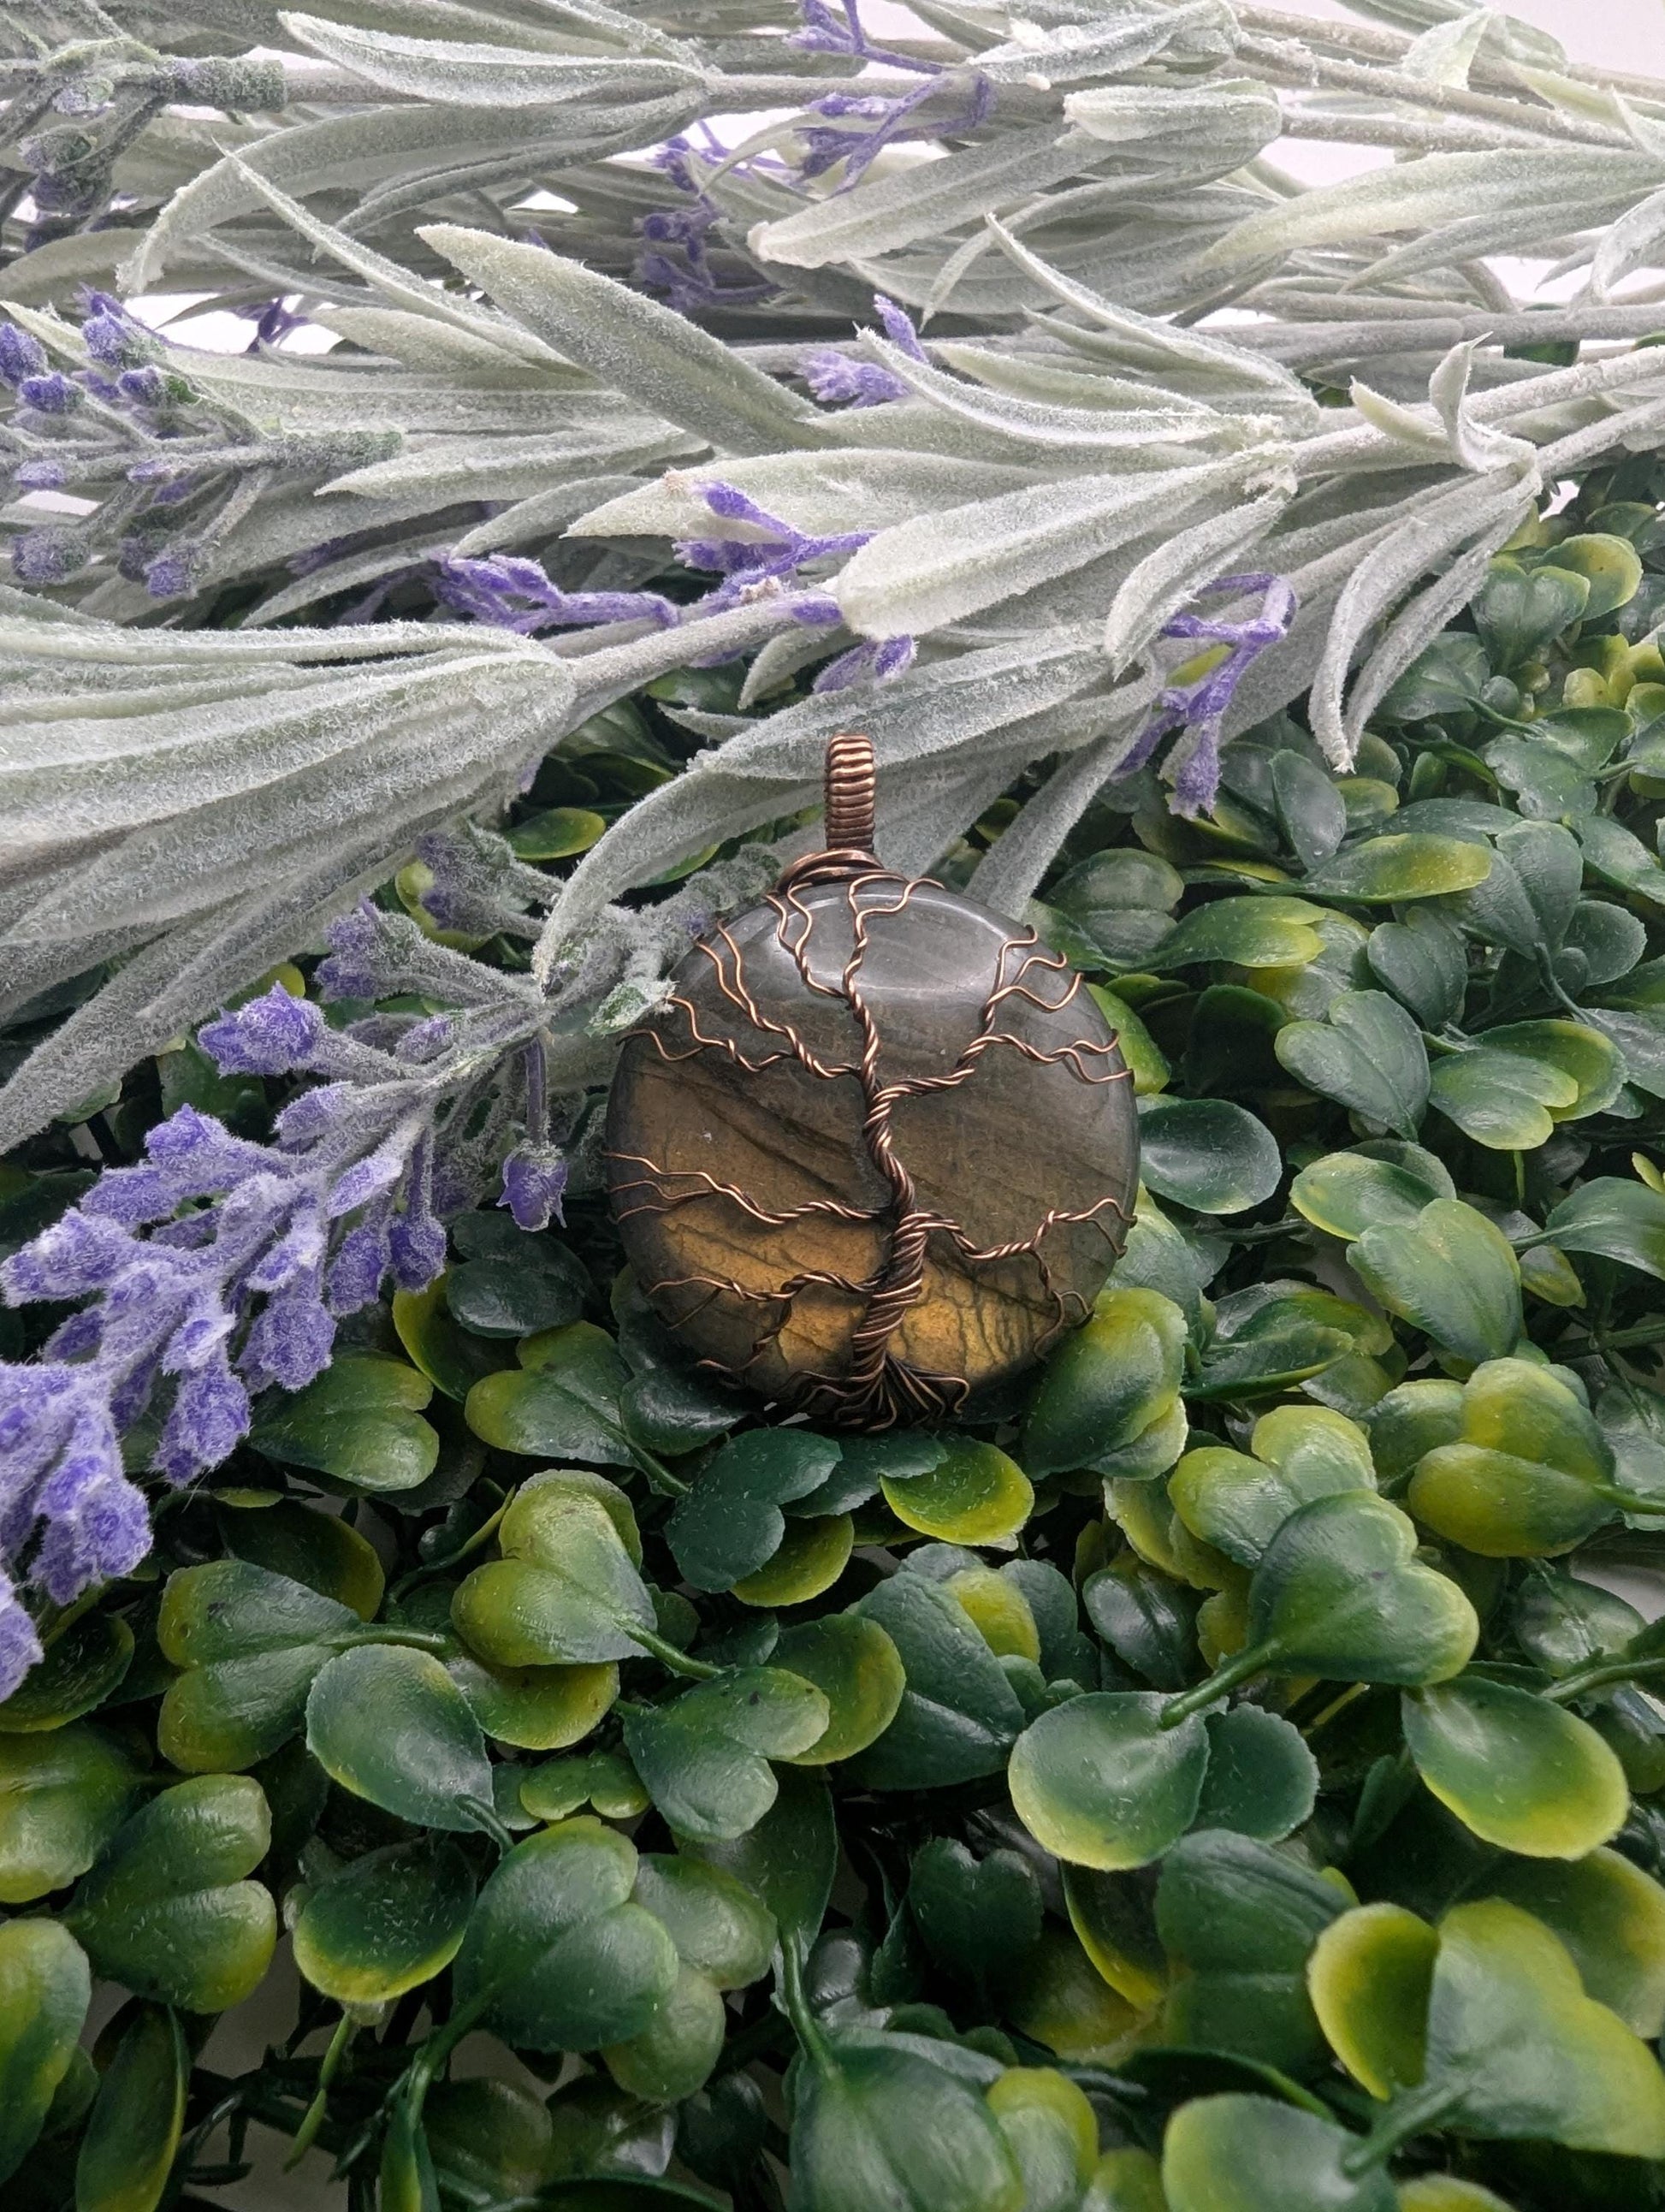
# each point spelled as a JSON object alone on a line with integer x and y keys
{"x": 851, "y": 786}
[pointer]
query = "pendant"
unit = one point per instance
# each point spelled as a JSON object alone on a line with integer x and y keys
{"x": 879, "y": 1149}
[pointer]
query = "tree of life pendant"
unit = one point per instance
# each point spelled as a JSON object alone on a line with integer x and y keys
{"x": 878, "y": 1148}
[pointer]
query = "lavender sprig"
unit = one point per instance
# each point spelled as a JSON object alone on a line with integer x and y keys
{"x": 515, "y": 593}
{"x": 1198, "y": 708}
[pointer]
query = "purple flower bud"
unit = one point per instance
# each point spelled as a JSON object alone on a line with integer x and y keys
{"x": 210, "y": 1415}
{"x": 51, "y": 393}
{"x": 112, "y": 337}
{"x": 78, "y": 1253}
{"x": 426, "y": 1041}
{"x": 291, "y": 1339}
{"x": 173, "y": 574}
{"x": 837, "y": 381}
{"x": 899, "y": 327}
{"x": 417, "y": 1247}
{"x": 42, "y": 475}
{"x": 534, "y": 1184}
{"x": 105, "y": 1533}
{"x": 147, "y": 386}
{"x": 47, "y": 556}
{"x": 349, "y": 971}
{"x": 361, "y": 1263}
{"x": 21, "y": 354}
{"x": 20, "y": 1645}
{"x": 276, "y": 1035}
{"x": 378, "y": 1171}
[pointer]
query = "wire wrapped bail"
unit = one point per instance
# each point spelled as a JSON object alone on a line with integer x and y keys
{"x": 851, "y": 785}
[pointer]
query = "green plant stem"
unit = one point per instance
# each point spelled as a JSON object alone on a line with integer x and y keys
{"x": 805, "y": 2026}
{"x": 1246, "y": 1664}
{"x": 482, "y": 1535}
{"x": 415, "y": 1639}
{"x": 698, "y": 1670}
{"x": 1600, "y": 1674}
{"x": 312, "y": 2118}
{"x": 1412, "y": 2114}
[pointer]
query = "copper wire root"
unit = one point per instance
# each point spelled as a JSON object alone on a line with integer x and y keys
{"x": 876, "y": 1388}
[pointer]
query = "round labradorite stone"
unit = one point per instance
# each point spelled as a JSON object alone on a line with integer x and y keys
{"x": 825, "y": 1153}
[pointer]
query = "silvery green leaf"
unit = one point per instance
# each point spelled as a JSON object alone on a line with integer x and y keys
{"x": 1509, "y": 38}
{"x": 418, "y": 342}
{"x": 445, "y": 469}
{"x": 1628, "y": 244}
{"x": 1068, "y": 51}
{"x": 817, "y": 493}
{"x": 486, "y": 76}
{"x": 776, "y": 766}
{"x": 941, "y": 197}
{"x": 658, "y": 356}
{"x": 533, "y": 521}
{"x": 1438, "y": 528}
{"x": 1025, "y": 377}
{"x": 1419, "y": 621}
{"x": 782, "y": 657}
{"x": 1008, "y": 875}
{"x": 1163, "y": 349}
{"x": 921, "y": 575}
{"x": 1215, "y": 127}
{"x": 1442, "y": 55}
{"x": 1516, "y": 198}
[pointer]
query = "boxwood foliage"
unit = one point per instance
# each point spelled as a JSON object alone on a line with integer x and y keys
{"x": 1221, "y": 1776}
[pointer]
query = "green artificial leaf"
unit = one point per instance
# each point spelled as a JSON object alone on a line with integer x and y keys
{"x": 1450, "y": 1274}
{"x": 1246, "y": 2153}
{"x": 718, "y": 1926}
{"x": 1386, "y": 871}
{"x": 1516, "y": 2048}
{"x": 389, "y": 1724}
{"x": 451, "y": 1359}
{"x": 978, "y": 1918}
{"x": 168, "y": 1910}
{"x": 1120, "y": 902}
{"x": 557, "y": 1956}
{"x": 133, "y": 2129}
{"x": 1409, "y": 1422}
{"x": 1148, "y": 1620}
{"x": 556, "y": 834}
{"x": 63, "y": 1795}
{"x": 1262, "y": 1781}
{"x": 1369, "y": 1977}
{"x": 1367, "y": 1053}
{"x": 959, "y": 1714}
{"x": 1611, "y": 1917}
{"x": 1528, "y": 1474}
{"x": 388, "y": 1922}
{"x": 1526, "y": 902}
{"x": 44, "y": 1990}
{"x": 489, "y": 2139}
{"x": 1607, "y": 564}
{"x": 672, "y": 2057}
{"x": 1424, "y": 964}
{"x": 730, "y": 1523}
{"x": 1344, "y": 1193}
{"x": 1340, "y": 1592}
{"x": 1099, "y": 1781}
{"x": 1241, "y": 1920}
{"x": 1106, "y": 1383}
{"x": 1562, "y": 1622}
{"x": 877, "y": 2124}
{"x": 704, "y": 1757}
{"x": 249, "y": 1644}
{"x": 561, "y": 1403}
{"x": 812, "y": 1555}
{"x": 788, "y": 1859}
{"x": 1310, "y": 809}
{"x": 975, "y": 1494}
{"x": 1613, "y": 1219}
{"x": 1246, "y": 932}
{"x": 858, "y": 1670}
{"x": 1519, "y": 615}
{"x": 1521, "y": 1773}
{"x": 361, "y": 1422}
{"x": 1052, "y": 2131}
{"x": 1446, "y": 678}
{"x": 1206, "y": 1153}
{"x": 310, "y": 1545}
{"x": 569, "y": 1595}
{"x": 84, "y": 1663}
{"x": 1503, "y": 1100}
{"x": 534, "y": 1708}
{"x": 510, "y": 1283}
{"x": 1238, "y": 1503}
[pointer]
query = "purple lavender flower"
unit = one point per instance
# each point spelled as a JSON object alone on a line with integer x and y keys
{"x": 47, "y": 556}
{"x": 838, "y": 381}
{"x": 890, "y": 115}
{"x": 19, "y": 1645}
{"x": 534, "y": 1185}
{"x": 51, "y": 393}
{"x": 272, "y": 1036}
{"x": 20, "y": 355}
{"x": 690, "y": 284}
{"x": 40, "y": 476}
{"x": 112, "y": 335}
{"x": 765, "y": 549}
{"x": 1198, "y": 708}
{"x": 515, "y": 594}
{"x": 876, "y": 658}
